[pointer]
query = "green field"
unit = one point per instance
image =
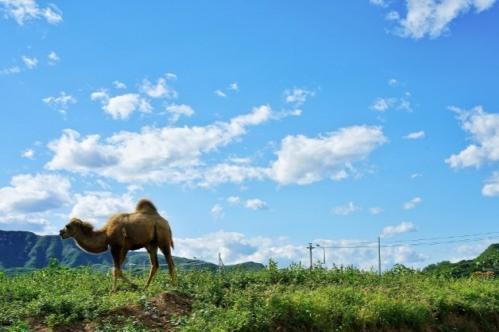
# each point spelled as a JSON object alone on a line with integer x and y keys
{"x": 291, "y": 299}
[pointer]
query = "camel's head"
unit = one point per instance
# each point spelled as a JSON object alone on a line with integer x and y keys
{"x": 70, "y": 229}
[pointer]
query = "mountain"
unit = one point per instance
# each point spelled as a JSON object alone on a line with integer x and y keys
{"x": 486, "y": 261}
{"x": 25, "y": 251}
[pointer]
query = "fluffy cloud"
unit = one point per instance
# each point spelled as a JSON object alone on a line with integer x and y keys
{"x": 177, "y": 111}
{"x": 303, "y": 160}
{"x": 344, "y": 210}
{"x": 217, "y": 211}
{"x": 159, "y": 90}
{"x": 432, "y": 17}
{"x": 382, "y": 104}
{"x": 10, "y": 70}
{"x": 98, "y": 206}
{"x": 233, "y": 200}
{"x": 220, "y": 93}
{"x": 412, "y": 203}
{"x": 25, "y": 10}
{"x": 491, "y": 188}
{"x": 61, "y": 102}
{"x": 375, "y": 210}
{"x": 415, "y": 135}
{"x": 53, "y": 58}
{"x": 233, "y": 173}
{"x": 121, "y": 106}
{"x": 233, "y": 86}
{"x": 404, "y": 227}
{"x": 483, "y": 129}
{"x": 237, "y": 248}
{"x": 256, "y": 204}
{"x": 297, "y": 96}
{"x": 30, "y": 194}
{"x": 28, "y": 153}
{"x": 30, "y": 63}
{"x": 168, "y": 154}
{"x": 119, "y": 85}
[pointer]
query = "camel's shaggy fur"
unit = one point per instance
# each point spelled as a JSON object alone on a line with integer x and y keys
{"x": 144, "y": 228}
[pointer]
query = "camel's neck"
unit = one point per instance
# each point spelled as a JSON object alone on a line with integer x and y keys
{"x": 95, "y": 242}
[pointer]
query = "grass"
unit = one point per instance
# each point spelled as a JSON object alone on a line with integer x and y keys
{"x": 292, "y": 299}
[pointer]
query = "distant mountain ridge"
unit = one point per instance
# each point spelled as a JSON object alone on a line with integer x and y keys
{"x": 21, "y": 249}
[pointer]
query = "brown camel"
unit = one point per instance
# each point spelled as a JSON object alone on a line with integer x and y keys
{"x": 144, "y": 228}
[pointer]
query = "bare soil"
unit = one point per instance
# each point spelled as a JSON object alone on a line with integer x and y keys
{"x": 159, "y": 313}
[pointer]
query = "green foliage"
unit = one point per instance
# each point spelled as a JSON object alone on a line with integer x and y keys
{"x": 291, "y": 299}
{"x": 488, "y": 261}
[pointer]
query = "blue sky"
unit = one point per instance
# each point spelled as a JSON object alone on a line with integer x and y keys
{"x": 256, "y": 127}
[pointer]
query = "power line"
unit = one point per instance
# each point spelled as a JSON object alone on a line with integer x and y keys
{"x": 442, "y": 237}
{"x": 420, "y": 242}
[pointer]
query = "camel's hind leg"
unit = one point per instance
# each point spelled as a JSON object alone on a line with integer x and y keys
{"x": 119, "y": 255}
{"x": 167, "y": 252}
{"x": 153, "y": 256}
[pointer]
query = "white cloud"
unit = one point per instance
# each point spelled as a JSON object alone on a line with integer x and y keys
{"x": 491, "y": 188}
{"x": 303, "y": 160}
{"x": 159, "y": 90}
{"x": 233, "y": 173}
{"x": 393, "y": 82}
{"x": 404, "y": 227}
{"x": 256, "y": 204}
{"x": 121, "y": 106}
{"x": 233, "y": 200}
{"x": 28, "y": 153}
{"x": 119, "y": 85}
{"x": 30, "y": 195}
{"x": 167, "y": 154}
{"x": 98, "y": 206}
{"x": 378, "y": 2}
{"x": 381, "y": 104}
{"x": 61, "y": 102}
{"x": 25, "y": 10}
{"x": 217, "y": 211}
{"x": 30, "y": 63}
{"x": 416, "y": 175}
{"x": 53, "y": 58}
{"x": 220, "y": 93}
{"x": 297, "y": 96}
{"x": 432, "y": 17}
{"x": 237, "y": 248}
{"x": 483, "y": 129}
{"x": 415, "y": 135}
{"x": 375, "y": 210}
{"x": 392, "y": 16}
{"x": 233, "y": 86}
{"x": 177, "y": 110}
{"x": 344, "y": 210}
{"x": 412, "y": 203}
{"x": 10, "y": 70}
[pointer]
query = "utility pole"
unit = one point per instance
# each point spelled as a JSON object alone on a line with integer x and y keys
{"x": 310, "y": 248}
{"x": 379, "y": 255}
{"x": 323, "y": 254}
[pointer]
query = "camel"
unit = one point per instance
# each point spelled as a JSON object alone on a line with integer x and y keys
{"x": 144, "y": 228}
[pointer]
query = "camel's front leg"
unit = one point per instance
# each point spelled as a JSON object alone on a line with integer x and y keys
{"x": 119, "y": 255}
{"x": 153, "y": 256}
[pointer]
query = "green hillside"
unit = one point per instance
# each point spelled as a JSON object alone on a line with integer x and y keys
{"x": 24, "y": 251}
{"x": 486, "y": 261}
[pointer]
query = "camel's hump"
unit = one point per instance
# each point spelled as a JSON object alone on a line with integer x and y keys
{"x": 146, "y": 206}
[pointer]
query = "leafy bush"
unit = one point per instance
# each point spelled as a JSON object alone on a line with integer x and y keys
{"x": 291, "y": 299}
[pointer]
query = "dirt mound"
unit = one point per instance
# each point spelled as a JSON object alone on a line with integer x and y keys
{"x": 159, "y": 313}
